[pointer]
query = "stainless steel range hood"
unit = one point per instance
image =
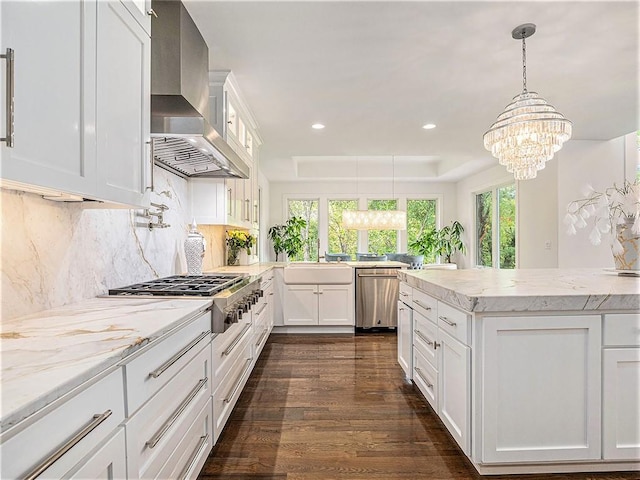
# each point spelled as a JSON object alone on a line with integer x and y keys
{"x": 184, "y": 142}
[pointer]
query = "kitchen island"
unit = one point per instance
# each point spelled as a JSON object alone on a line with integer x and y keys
{"x": 529, "y": 370}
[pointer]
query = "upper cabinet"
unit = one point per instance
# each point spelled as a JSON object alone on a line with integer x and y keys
{"x": 236, "y": 200}
{"x": 86, "y": 132}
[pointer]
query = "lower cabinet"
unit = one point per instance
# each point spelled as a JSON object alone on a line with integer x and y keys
{"x": 541, "y": 388}
{"x": 330, "y": 305}
{"x": 78, "y": 437}
{"x": 405, "y": 338}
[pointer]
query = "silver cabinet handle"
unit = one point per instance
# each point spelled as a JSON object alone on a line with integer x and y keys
{"x": 373, "y": 275}
{"x": 51, "y": 459}
{"x": 264, "y": 305}
{"x": 247, "y": 210}
{"x": 264, "y": 332}
{"x": 402, "y": 309}
{"x": 235, "y": 389}
{"x": 419, "y": 303}
{"x": 194, "y": 456}
{"x": 425, "y": 339}
{"x": 421, "y": 375}
{"x": 151, "y": 11}
{"x": 447, "y": 321}
{"x": 10, "y": 106}
{"x": 255, "y": 213}
{"x": 153, "y": 441}
{"x": 404, "y": 294}
{"x": 236, "y": 340}
{"x": 152, "y": 154}
{"x": 436, "y": 345}
{"x": 159, "y": 371}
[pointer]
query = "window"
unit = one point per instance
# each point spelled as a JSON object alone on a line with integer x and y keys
{"x": 421, "y": 217}
{"x": 308, "y": 210}
{"x": 383, "y": 241}
{"x": 496, "y": 212}
{"x": 341, "y": 240}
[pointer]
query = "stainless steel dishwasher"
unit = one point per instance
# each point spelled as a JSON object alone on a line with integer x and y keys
{"x": 376, "y": 297}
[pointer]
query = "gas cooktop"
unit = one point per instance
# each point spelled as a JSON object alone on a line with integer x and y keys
{"x": 182, "y": 285}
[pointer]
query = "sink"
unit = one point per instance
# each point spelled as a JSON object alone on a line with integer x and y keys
{"x": 311, "y": 273}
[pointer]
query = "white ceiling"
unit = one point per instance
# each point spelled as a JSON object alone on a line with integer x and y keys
{"x": 375, "y": 72}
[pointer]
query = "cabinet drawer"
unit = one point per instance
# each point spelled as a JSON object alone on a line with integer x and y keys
{"x": 454, "y": 322}
{"x": 189, "y": 457}
{"x": 227, "y": 347}
{"x": 406, "y": 293}
{"x": 425, "y": 304}
{"x": 425, "y": 334}
{"x": 622, "y": 329}
{"x": 155, "y": 430}
{"x": 94, "y": 410}
{"x": 110, "y": 457}
{"x": 149, "y": 372}
{"x": 227, "y": 392}
{"x": 426, "y": 378}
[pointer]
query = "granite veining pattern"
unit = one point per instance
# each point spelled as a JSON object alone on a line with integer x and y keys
{"x": 522, "y": 290}
{"x": 47, "y": 354}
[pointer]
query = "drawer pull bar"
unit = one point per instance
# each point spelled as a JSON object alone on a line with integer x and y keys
{"x": 9, "y": 56}
{"x": 235, "y": 389}
{"x": 425, "y": 339}
{"x": 447, "y": 321}
{"x": 419, "y": 303}
{"x": 159, "y": 371}
{"x": 421, "y": 375}
{"x": 264, "y": 305}
{"x": 404, "y": 294}
{"x": 51, "y": 459}
{"x": 153, "y": 441}
{"x": 373, "y": 275}
{"x": 236, "y": 340}
{"x": 194, "y": 456}
{"x": 264, "y": 332}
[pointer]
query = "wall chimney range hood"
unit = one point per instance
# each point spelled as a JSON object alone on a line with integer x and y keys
{"x": 183, "y": 140}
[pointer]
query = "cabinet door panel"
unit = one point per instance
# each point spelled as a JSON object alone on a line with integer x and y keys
{"x": 123, "y": 105}
{"x": 541, "y": 397}
{"x": 300, "y": 305}
{"x": 621, "y": 404}
{"x": 405, "y": 338}
{"x": 454, "y": 402}
{"x": 54, "y": 104}
{"x": 108, "y": 463}
{"x": 335, "y": 305}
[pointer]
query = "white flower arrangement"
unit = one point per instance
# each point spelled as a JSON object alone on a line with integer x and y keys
{"x": 605, "y": 211}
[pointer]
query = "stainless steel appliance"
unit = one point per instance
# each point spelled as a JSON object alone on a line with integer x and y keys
{"x": 233, "y": 294}
{"x": 183, "y": 140}
{"x": 376, "y": 298}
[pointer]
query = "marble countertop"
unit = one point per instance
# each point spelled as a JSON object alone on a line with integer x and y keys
{"x": 47, "y": 354}
{"x": 521, "y": 290}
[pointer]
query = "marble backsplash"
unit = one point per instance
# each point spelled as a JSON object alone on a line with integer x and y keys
{"x": 55, "y": 253}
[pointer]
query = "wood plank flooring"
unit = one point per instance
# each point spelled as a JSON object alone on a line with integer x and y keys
{"x": 337, "y": 407}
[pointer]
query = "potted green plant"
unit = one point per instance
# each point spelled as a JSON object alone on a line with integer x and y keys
{"x": 287, "y": 238}
{"x": 444, "y": 242}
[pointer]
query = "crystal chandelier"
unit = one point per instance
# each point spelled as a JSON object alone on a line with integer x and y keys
{"x": 530, "y": 130}
{"x": 375, "y": 219}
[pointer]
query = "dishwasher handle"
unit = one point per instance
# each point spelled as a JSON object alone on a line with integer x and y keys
{"x": 373, "y": 275}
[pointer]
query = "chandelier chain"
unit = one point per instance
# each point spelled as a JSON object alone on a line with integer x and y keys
{"x": 524, "y": 66}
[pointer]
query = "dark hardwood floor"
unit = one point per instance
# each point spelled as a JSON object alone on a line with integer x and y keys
{"x": 337, "y": 407}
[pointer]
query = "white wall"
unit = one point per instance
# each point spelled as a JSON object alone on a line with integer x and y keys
{"x": 279, "y": 192}
{"x": 59, "y": 253}
{"x": 599, "y": 164}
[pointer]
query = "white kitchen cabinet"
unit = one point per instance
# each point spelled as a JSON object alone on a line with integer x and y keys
{"x": 405, "y": 339}
{"x": 123, "y": 105}
{"x": 141, "y": 11}
{"x": 454, "y": 388}
{"x": 327, "y": 305}
{"x": 541, "y": 390}
{"x": 85, "y": 133}
{"x": 107, "y": 463}
{"x": 621, "y": 404}
{"x": 55, "y": 111}
{"x": 74, "y": 425}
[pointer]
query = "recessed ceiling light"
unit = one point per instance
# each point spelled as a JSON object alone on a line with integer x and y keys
{"x": 429, "y": 126}
{"x": 317, "y": 126}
